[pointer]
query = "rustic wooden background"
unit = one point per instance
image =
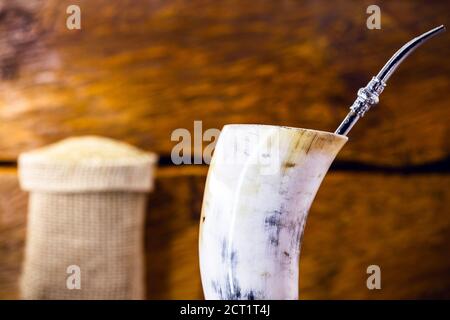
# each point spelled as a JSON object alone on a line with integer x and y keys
{"x": 139, "y": 69}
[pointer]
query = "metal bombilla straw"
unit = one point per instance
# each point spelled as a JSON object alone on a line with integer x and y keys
{"x": 368, "y": 96}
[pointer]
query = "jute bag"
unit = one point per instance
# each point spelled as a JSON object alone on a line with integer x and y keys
{"x": 85, "y": 219}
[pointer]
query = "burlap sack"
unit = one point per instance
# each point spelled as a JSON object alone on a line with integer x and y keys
{"x": 85, "y": 219}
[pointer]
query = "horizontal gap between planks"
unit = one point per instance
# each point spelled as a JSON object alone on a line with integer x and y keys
{"x": 441, "y": 166}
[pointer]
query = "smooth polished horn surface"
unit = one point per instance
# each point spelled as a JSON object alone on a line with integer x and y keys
{"x": 260, "y": 186}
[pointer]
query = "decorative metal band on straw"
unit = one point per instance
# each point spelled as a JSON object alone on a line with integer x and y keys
{"x": 368, "y": 96}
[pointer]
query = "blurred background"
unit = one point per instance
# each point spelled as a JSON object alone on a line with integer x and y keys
{"x": 139, "y": 69}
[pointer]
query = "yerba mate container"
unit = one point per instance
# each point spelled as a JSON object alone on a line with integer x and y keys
{"x": 85, "y": 219}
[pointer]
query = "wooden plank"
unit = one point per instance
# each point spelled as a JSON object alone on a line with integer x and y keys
{"x": 137, "y": 70}
{"x": 172, "y": 234}
{"x": 13, "y": 206}
{"x": 398, "y": 222}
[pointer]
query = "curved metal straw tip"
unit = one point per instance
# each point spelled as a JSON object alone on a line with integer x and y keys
{"x": 368, "y": 96}
{"x": 386, "y": 72}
